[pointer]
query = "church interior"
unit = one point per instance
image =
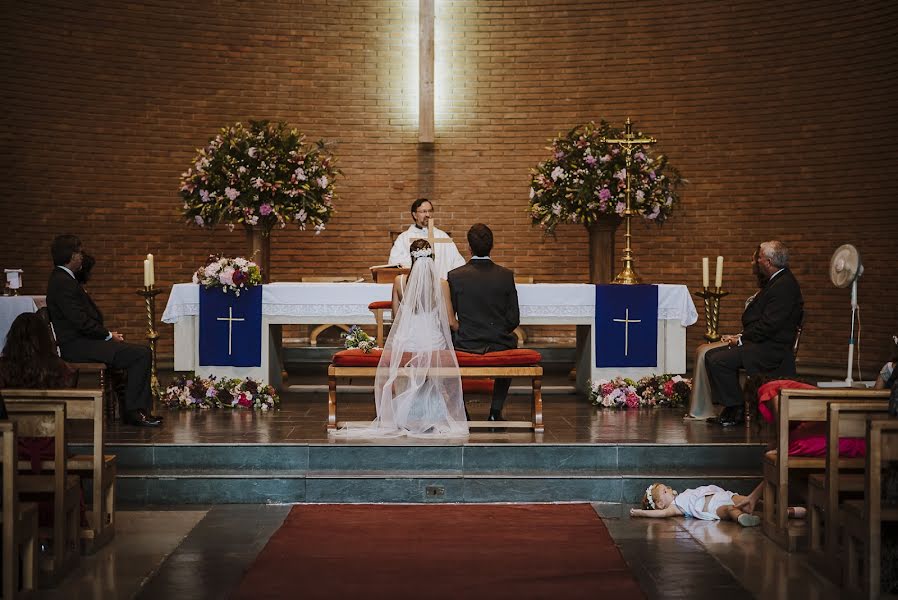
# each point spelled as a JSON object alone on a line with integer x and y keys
{"x": 754, "y": 108}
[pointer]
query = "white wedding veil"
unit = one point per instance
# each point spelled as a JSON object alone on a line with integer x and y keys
{"x": 417, "y": 388}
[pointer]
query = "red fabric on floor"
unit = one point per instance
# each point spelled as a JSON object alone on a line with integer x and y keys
{"x": 440, "y": 551}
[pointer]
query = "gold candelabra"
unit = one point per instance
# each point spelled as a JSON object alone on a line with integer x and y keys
{"x": 149, "y": 294}
{"x": 712, "y": 298}
{"x": 628, "y": 276}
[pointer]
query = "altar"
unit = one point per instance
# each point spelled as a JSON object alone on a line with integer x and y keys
{"x": 347, "y": 303}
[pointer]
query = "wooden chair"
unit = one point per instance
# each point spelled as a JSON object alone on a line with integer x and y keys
{"x": 111, "y": 381}
{"x": 862, "y": 519}
{"x": 97, "y": 468}
{"x": 18, "y": 521}
{"x": 781, "y": 470}
{"x": 47, "y": 419}
{"x": 785, "y": 370}
{"x": 825, "y": 490}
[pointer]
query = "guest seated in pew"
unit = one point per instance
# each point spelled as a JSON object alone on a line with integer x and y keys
{"x": 769, "y": 325}
{"x": 887, "y": 372}
{"x": 417, "y": 385}
{"x": 82, "y": 336}
{"x": 485, "y": 299}
{"x": 29, "y": 358}
{"x": 708, "y": 503}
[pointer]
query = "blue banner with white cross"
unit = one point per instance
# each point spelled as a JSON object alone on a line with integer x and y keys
{"x": 626, "y": 331}
{"x": 231, "y": 328}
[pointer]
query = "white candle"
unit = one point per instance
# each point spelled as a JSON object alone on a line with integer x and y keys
{"x": 146, "y": 274}
{"x": 718, "y": 278}
{"x": 152, "y": 270}
{"x": 705, "y": 275}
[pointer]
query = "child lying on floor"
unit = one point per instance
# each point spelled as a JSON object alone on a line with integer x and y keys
{"x": 709, "y": 503}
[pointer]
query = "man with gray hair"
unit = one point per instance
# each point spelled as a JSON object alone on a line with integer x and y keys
{"x": 769, "y": 325}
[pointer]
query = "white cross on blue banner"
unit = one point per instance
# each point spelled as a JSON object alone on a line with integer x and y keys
{"x": 231, "y": 328}
{"x": 626, "y": 325}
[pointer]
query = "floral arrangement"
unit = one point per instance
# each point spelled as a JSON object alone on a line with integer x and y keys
{"x": 264, "y": 174}
{"x": 650, "y": 391}
{"x": 357, "y": 338}
{"x": 230, "y": 274}
{"x": 190, "y": 391}
{"x": 585, "y": 178}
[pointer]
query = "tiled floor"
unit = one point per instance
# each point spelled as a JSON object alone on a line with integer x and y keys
{"x": 202, "y": 553}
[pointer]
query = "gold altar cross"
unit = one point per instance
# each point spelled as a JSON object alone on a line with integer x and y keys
{"x": 628, "y": 275}
{"x": 230, "y": 319}
{"x": 626, "y": 321}
{"x": 430, "y": 236}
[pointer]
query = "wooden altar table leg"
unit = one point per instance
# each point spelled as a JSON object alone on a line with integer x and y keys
{"x": 313, "y": 337}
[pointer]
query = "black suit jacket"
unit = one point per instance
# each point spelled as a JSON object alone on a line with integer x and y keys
{"x": 486, "y": 301}
{"x": 769, "y": 324}
{"x": 74, "y": 315}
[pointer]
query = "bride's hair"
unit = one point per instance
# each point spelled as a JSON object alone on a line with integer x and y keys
{"x": 420, "y": 248}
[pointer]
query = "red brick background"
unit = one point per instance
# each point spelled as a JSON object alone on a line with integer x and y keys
{"x": 780, "y": 115}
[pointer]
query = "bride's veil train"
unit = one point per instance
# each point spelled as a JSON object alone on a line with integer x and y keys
{"x": 417, "y": 388}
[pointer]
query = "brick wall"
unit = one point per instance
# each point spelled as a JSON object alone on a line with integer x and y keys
{"x": 780, "y": 115}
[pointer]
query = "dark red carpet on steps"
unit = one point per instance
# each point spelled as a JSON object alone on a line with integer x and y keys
{"x": 489, "y": 551}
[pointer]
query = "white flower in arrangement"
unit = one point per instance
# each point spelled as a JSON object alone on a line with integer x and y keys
{"x": 532, "y": 193}
{"x": 226, "y": 277}
{"x": 241, "y": 169}
{"x": 231, "y": 193}
{"x": 322, "y": 181}
{"x": 253, "y": 220}
{"x": 251, "y": 152}
{"x": 556, "y": 209}
{"x": 319, "y": 228}
{"x": 301, "y": 216}
{"x": 557, "y": 173}
{"x": 300, "y": 173}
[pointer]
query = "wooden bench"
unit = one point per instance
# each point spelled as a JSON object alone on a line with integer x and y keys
{"x": 862, "y": 519}
{"x": 18, "y": 521}
{"x": 47, "y": 419}
{"x": 97, "y": 467}
{"x": 509, "y": 363}
{"x": 779, "y": 467}
{"x": 844, "y": 419}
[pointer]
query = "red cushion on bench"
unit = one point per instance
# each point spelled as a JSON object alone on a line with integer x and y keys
{"x": 356, "y": 358}
{"x": 380, "y": 304}
{"x": 477, "y": 386}
{"x": 504, "y": 358}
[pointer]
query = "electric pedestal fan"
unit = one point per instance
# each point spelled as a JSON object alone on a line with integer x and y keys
{"x": 845, "y": 269}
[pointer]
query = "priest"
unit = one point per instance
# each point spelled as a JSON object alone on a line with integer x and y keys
{"x": 446, "y": 254}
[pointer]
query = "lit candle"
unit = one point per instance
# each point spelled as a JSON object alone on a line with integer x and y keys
{"x": 152, "y": 270}
{"x": 705, "y": 275}
{"x": 146, "y": 274}
{"x": 718, "y": 278}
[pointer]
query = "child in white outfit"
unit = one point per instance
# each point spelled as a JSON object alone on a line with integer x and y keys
{"x": 708, "y": 502}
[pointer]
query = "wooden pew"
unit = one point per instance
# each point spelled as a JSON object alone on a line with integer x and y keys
{"x": 99, "y": 468}
{"x": 779, "y": 467}
{"x": 844, "y": 419}
{"x": 47, "y": 419}
{"x": 862, "y": 519}
{"x": 18, "y": 521}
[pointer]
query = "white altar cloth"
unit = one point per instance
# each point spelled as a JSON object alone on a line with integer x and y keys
{"x": 347, "y": 303}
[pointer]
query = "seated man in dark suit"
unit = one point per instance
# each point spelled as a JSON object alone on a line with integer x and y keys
{"x": 769, "y": 324}
{"x": 486, "y": 301}
{"x": 82, "y": 336}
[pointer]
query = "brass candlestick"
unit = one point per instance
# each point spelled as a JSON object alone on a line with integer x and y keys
{"x": 712, "y": 311}
{"x": 149, "y": 294}
{"x": 628, "y": 276}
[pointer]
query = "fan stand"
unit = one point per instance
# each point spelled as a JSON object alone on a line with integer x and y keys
{"x": 848, "y": 381}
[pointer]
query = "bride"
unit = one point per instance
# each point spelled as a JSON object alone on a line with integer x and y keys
{"x": 417, "y": 388}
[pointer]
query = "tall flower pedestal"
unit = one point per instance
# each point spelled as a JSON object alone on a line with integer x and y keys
{"x": 259, "y": 242}
{"x": 601, "y": 248}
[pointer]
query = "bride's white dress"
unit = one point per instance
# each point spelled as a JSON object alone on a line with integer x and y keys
{"x": 417, "y": 388}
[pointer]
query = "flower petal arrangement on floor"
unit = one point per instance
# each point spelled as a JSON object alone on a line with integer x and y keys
{"x": 650, "y": 391}
{"x": 190, "y": 391}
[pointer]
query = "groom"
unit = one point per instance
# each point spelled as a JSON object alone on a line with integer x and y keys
{"x": 486, "y": 302}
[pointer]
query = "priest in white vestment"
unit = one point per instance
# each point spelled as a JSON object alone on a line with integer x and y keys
{"x": 447, "y": 256}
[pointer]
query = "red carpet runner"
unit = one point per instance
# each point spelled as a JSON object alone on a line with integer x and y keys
{"x": 340, "y": 551}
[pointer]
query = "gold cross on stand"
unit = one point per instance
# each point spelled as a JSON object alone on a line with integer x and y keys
{"x": 626, "y": 321}
{"x": 628, "y": 275}
{"x": 230, "y": 319}
{"x": 430, "y": 237}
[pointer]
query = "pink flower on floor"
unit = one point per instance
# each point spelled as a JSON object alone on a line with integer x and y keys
{"x": 669, "y": 388}
{"x": 632, "y": 400}
{"x": 244, "y": 400}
